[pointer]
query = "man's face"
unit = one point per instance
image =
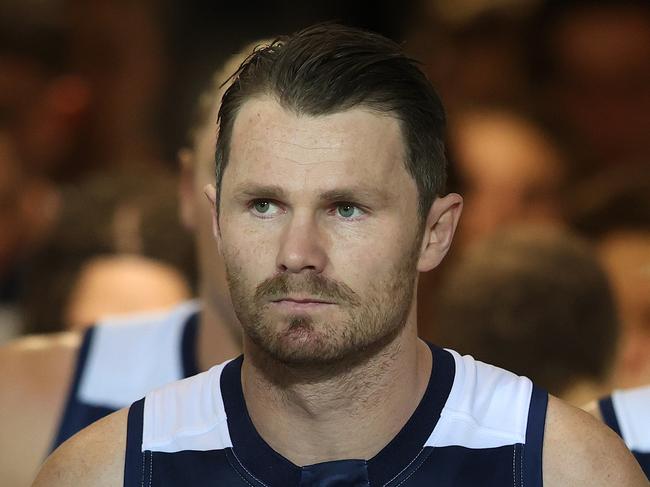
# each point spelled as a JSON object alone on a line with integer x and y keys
{"x": 319, "y": 230}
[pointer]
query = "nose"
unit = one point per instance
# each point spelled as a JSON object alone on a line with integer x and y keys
{"x": 302, "y": 246}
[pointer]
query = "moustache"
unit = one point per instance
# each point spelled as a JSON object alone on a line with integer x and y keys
{"x": 314, "y": 285}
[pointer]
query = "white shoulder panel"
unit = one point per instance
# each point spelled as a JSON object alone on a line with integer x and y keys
{"x": 129, "y": 356}
{"x": 187, "y": 415}
{"x": 632, "y": 408}
{"x": 486, "y": 408}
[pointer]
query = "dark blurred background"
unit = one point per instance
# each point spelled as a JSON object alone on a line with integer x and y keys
{"x": 549, "y": 124}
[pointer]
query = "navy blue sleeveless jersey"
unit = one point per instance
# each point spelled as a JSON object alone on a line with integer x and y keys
{"x": 627, "y": 412}
{"x": 475, "y": 425}
{"x": 121, "y": 359}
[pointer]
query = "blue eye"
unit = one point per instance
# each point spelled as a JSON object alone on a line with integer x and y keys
{"x": 261, "y": 206}
{"x": 348, "y": 210}
{"x": 264, "y": 208}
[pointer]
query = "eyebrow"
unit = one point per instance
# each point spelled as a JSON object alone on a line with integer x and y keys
{"x": 355, "y": 194}
{"x": 260, "y": 191}
{"x": 351, "y": 194}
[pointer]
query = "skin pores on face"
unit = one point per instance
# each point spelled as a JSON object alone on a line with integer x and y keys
{"x": 319, "y": 230}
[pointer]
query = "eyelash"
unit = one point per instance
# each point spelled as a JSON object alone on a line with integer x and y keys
{"x": 352, "y": 205}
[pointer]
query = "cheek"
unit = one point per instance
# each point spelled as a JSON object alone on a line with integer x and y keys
{"x": 250, "y": 250}
{"x": 371, "y": 263}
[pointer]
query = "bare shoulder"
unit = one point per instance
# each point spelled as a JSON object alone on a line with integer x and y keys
{"x": 581, "y": 451}
{"x": 94, "y": 456}
{"x": 35, "y": 376}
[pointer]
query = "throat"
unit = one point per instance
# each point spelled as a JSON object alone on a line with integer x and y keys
{"x": 350, "y": 415}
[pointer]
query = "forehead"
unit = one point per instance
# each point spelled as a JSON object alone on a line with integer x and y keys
{"x": 277, "y": 146}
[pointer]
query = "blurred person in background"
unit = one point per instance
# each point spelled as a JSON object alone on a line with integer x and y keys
{"x": 511, "y": 168}
{"x": 42, "y": 104}
{"x": 55, "y": 385}
{"x": 613, "y": 210}
{"x": 114, "y": 249}
{"x": 627, "y": 412}
{"x": 590, "y": 70}
{"x": 28, "y": 208}
{"x": 535, "y": 301}
{"x": 116, "y": 284}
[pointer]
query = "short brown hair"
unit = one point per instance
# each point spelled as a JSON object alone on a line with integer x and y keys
{"x": 330, "y": 68}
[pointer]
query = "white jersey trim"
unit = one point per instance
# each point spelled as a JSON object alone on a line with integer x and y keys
{"x": 131, "y": 355}
{"x": 487, "y": 407}
{"x": 632, "y": 409}
{"x": 187, "y": 415}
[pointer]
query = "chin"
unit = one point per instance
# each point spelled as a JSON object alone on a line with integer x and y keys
{"x": 313, "y": 342}
{"x": 303, "y": 345}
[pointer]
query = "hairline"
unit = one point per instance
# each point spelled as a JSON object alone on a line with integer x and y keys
{"x": 369, "y": 107}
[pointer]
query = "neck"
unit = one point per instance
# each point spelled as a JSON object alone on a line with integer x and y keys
{"x": 339, "y": 414}
{"x": 219, "y": 335}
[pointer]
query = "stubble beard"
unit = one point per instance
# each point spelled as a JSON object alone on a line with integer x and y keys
{"x": 368, "y": 325}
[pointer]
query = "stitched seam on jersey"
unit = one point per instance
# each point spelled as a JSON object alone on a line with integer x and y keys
{"x": 150, "y": 469}
{"x": 514, "y": 465}
{"x": 245, "y": 469}
{"x": 414, "y": 470}
{"x": 521, "y": 465}
{"x": 405, "y": 468}
{"x": 144, "y": 466}
{"x": 237, "y": 470}
{"x": 244, "y": 478}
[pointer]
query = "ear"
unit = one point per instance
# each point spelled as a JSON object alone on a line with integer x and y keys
{"x": 439, "y": 230}
{"x": 186, "y": 197}
{"x": 211, "y": 193}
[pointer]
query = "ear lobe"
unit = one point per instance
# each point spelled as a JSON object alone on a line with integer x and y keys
{"x": 439, "y": 230}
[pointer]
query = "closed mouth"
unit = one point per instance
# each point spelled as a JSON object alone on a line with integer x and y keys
{"x": 296, "y": 300}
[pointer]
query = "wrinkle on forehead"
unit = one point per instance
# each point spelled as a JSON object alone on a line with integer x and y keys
{"x": 298, "y": 154}
{"x": 265, "y": 132}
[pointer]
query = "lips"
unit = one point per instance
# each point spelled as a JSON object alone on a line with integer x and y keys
{"x": 297, "y": 305}
{"x": 296, "y": 300}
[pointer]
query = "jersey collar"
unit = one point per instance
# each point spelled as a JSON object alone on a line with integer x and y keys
{"x": 271, "y": 468}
